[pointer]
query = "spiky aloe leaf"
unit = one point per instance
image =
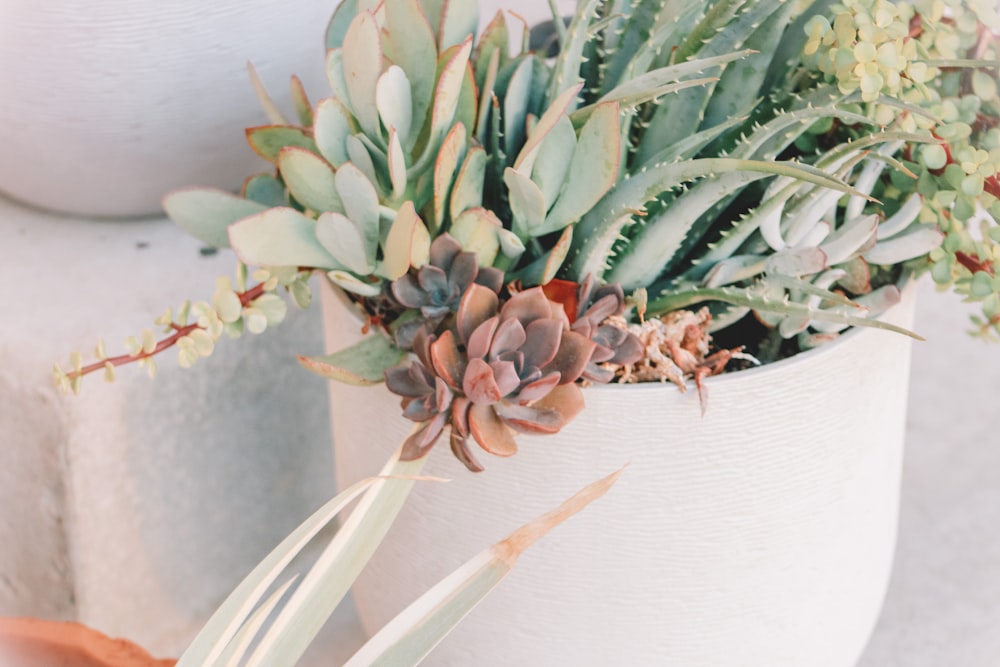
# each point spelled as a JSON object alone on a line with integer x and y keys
{"x": 279, "y": 237}
{"x": 740, "y": 82}
{"x": 729, "y": 23}
{"x": 665, "y": 80}
{"x": 206, "y": 213}
{"x": 833, "y": 160}
{"x": 363, "y": 363}
{"x": 570, "y": 59}
{"x": 638, "y": 28}
{"x": 602, "y": 226}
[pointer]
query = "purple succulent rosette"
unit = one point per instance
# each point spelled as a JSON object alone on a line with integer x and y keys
{"x": 433, "y": 291}
{"x": 503, "y": 369}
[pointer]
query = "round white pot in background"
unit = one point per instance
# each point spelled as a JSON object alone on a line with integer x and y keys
{"x": 105, "y": 106}
{"x": 761, "y": 533}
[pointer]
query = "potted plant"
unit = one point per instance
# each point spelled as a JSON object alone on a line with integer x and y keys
{"x": 684, "y": 188}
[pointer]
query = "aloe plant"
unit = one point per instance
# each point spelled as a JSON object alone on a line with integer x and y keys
{"x": 784, "y": 163}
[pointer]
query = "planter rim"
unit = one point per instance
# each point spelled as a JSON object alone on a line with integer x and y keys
{"x": 905, "y": 284}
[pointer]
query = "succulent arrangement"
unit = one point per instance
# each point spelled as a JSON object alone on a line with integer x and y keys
{"x": 508, "y": 222}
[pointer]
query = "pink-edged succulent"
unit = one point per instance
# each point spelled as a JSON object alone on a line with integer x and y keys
{"x": 500, "y": 370}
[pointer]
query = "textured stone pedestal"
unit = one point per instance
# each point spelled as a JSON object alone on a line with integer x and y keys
{"x": 137, "y": 506}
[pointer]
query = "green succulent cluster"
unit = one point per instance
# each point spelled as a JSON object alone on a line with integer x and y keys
{"x": 785, "y": 158}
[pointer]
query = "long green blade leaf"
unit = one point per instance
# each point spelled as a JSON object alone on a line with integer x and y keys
{"x": 225, "y": 622}
{"x": 411, "y": 635}
{"x": 330, "y": 578}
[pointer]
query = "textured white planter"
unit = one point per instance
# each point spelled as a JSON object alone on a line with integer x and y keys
{"x": 759, "y": 534}
{"x": 106, "y": 105}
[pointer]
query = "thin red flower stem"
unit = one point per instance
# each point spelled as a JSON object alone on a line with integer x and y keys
{"x": 166, "y": 343}
{"x": 246, "y": 298}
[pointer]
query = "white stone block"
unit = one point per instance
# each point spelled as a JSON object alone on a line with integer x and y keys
{"x": 137, "y": 506}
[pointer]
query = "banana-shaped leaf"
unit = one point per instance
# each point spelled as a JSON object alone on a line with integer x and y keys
{"x": 360, "y": 201}
{"x": 593, "y": 169}
{"x": 265, "y": 189}
{"x": 553, "y": 162}
{"x": 448, "y": 158}
{"x": 758, "y": 299}
{"x": 310, "y": 179}
{"x": 467, "y": 192}
{"x": 477, "y": 230}
{"x": 332, "y": 127}
{"x": 408, "y": 244}
{"x": 459, "y": 22}
{"x": 516, "y": 101}
{"x": 362, "y": 62}
{"x": 527, "y": 203}
{"x": 206, "y": 213}
{"x": 341, "y": 237}
{"x": 393, "y": 100}
{"x": 335, "y": 76}
{"x": 411, "y": 46}
{"x": 279, "y": 237}
{"x": 548, "y": 122}
{"x": 268, "y": 140}
{"x": 397, "y": 166}
{"x": 340, "y": 22}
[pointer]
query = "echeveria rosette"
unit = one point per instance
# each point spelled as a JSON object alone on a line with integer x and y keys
{"x": 615, "y": 346}
{"x": 436, "y": 288}
{"x": 502, "y": 370}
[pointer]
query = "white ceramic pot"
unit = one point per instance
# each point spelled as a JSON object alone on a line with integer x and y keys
{"x": 761, "y": 533}
{"x": 107, "y": 105}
